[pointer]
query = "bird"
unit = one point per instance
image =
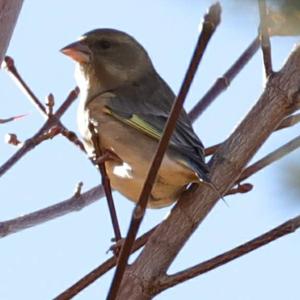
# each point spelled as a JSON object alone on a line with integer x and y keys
{"x": 128, "y": 103}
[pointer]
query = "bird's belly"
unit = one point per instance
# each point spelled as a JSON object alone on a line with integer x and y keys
{"x": 136, "y": 151}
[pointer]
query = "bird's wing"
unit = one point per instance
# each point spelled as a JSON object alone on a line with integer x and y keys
{"x": 149, "y": 115}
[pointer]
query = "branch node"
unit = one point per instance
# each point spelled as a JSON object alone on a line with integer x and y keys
{"x": 241, "y": 188}
{"x": 78, "y": 189}
{"x": 116, "y": 247}
{"x": 12, "y": 139}
{"x": 50, "y": 104}
{"x": 213, "y": 17}
{"x": 8, "y": 63}
{"x": 225, "y": 81}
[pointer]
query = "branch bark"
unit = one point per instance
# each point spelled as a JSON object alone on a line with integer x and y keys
{"x": 75, "y": 203}
{"x": 280, "y": 99}
{"x": 217, "y": 261}
{"x": 210, "y": 23}
{"x": 9, "y": 12}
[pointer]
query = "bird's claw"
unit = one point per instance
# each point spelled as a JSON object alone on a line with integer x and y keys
{"x": 108, "y": 155}
{"x": 116, "y": 247}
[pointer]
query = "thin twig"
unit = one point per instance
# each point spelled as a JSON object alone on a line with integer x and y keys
{"x": 100, "y": 270}
{"x": 105, "y": 181}
{"x": 9, "y": 64}
{"x": 285, "y": 123}
{"x": 2, "y": 121}
{"x": 71, "y": 136}
{"x": 223, "y": 82}
{"x": 270, "y": 236}
{"x": 212, "y": 149}
{"x": 289, "y": 121}
{"x": 211, "y": 21}
{"x": 240, "y": 189}
{"x": 75, "y": 203}
{"x": 270, "y": 158}
{"x": 30, "y": 143}
{"x": 265, "y": 38}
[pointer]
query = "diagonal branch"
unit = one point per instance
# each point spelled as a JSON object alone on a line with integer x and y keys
{"x": 211, "y": 21}
{"x": 75, "y": 203}
{"x": 105, "y": 182}
{"x": 102, "y": 269}
{"x": 223, "y": 82}
{"x": 285, "y": 123}
{"x": 110, "y": 263}
{"x": 34, "y": 140}
{"x": 9, "y": 65}
{"x": 280, "y": 98}
{"x": 215, "y": 262}
{"x": 270, "y": 158}
{"x": 3, "y": 121}
{"x": 289, "y": 121}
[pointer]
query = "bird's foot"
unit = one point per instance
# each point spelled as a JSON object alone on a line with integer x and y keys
{"x": 108, "y": 155}
{"x": 117, "y": 246}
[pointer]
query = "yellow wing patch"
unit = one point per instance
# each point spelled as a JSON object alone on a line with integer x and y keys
{"x": 137, "y": 123}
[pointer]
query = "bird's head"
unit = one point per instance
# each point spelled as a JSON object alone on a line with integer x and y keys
{"x": 109, "y": 57}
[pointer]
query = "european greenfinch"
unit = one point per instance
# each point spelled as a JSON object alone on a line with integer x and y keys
{"x": 128, "y": 103}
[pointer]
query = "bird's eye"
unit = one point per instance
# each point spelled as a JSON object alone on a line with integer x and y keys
{"x": 104, "y": 44}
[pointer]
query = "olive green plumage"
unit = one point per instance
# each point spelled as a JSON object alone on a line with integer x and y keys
{"x": 129, "y": 103}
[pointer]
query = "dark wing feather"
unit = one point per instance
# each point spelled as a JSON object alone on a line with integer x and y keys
{"x": 151, "y": 99}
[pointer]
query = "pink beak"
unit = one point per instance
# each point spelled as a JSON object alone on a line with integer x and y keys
{"x": 78, "y": 51}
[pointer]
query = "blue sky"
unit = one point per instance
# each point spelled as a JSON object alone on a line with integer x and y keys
{"x": 41, "y": 262}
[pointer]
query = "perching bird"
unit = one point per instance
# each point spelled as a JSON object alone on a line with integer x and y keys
{"x": 128, "y": 103}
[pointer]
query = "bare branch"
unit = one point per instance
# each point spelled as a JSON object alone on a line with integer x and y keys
{"x": 105, "y": 181}
{"x": 2, "y": 121}
{"x": 75, "y": 203}
{"x": 211, "y": 21}
{"x": 289, "y": 121}
{"x": 264, "y": 37}
{"x": 35, "y": 140}
{"x": 280, "y": 98}
{"x": 215, "y": 262}
{"x": 9, "y": 65}
{"x": 270, "y": 158}
{"x": 9, "y": 12}
{"x": 102, "y": 269}
{"x": 285, "y": 123}
{"x": 240, "y": 189}
{"x": 212, "y": 149}
{"x": 223, "y": 82}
